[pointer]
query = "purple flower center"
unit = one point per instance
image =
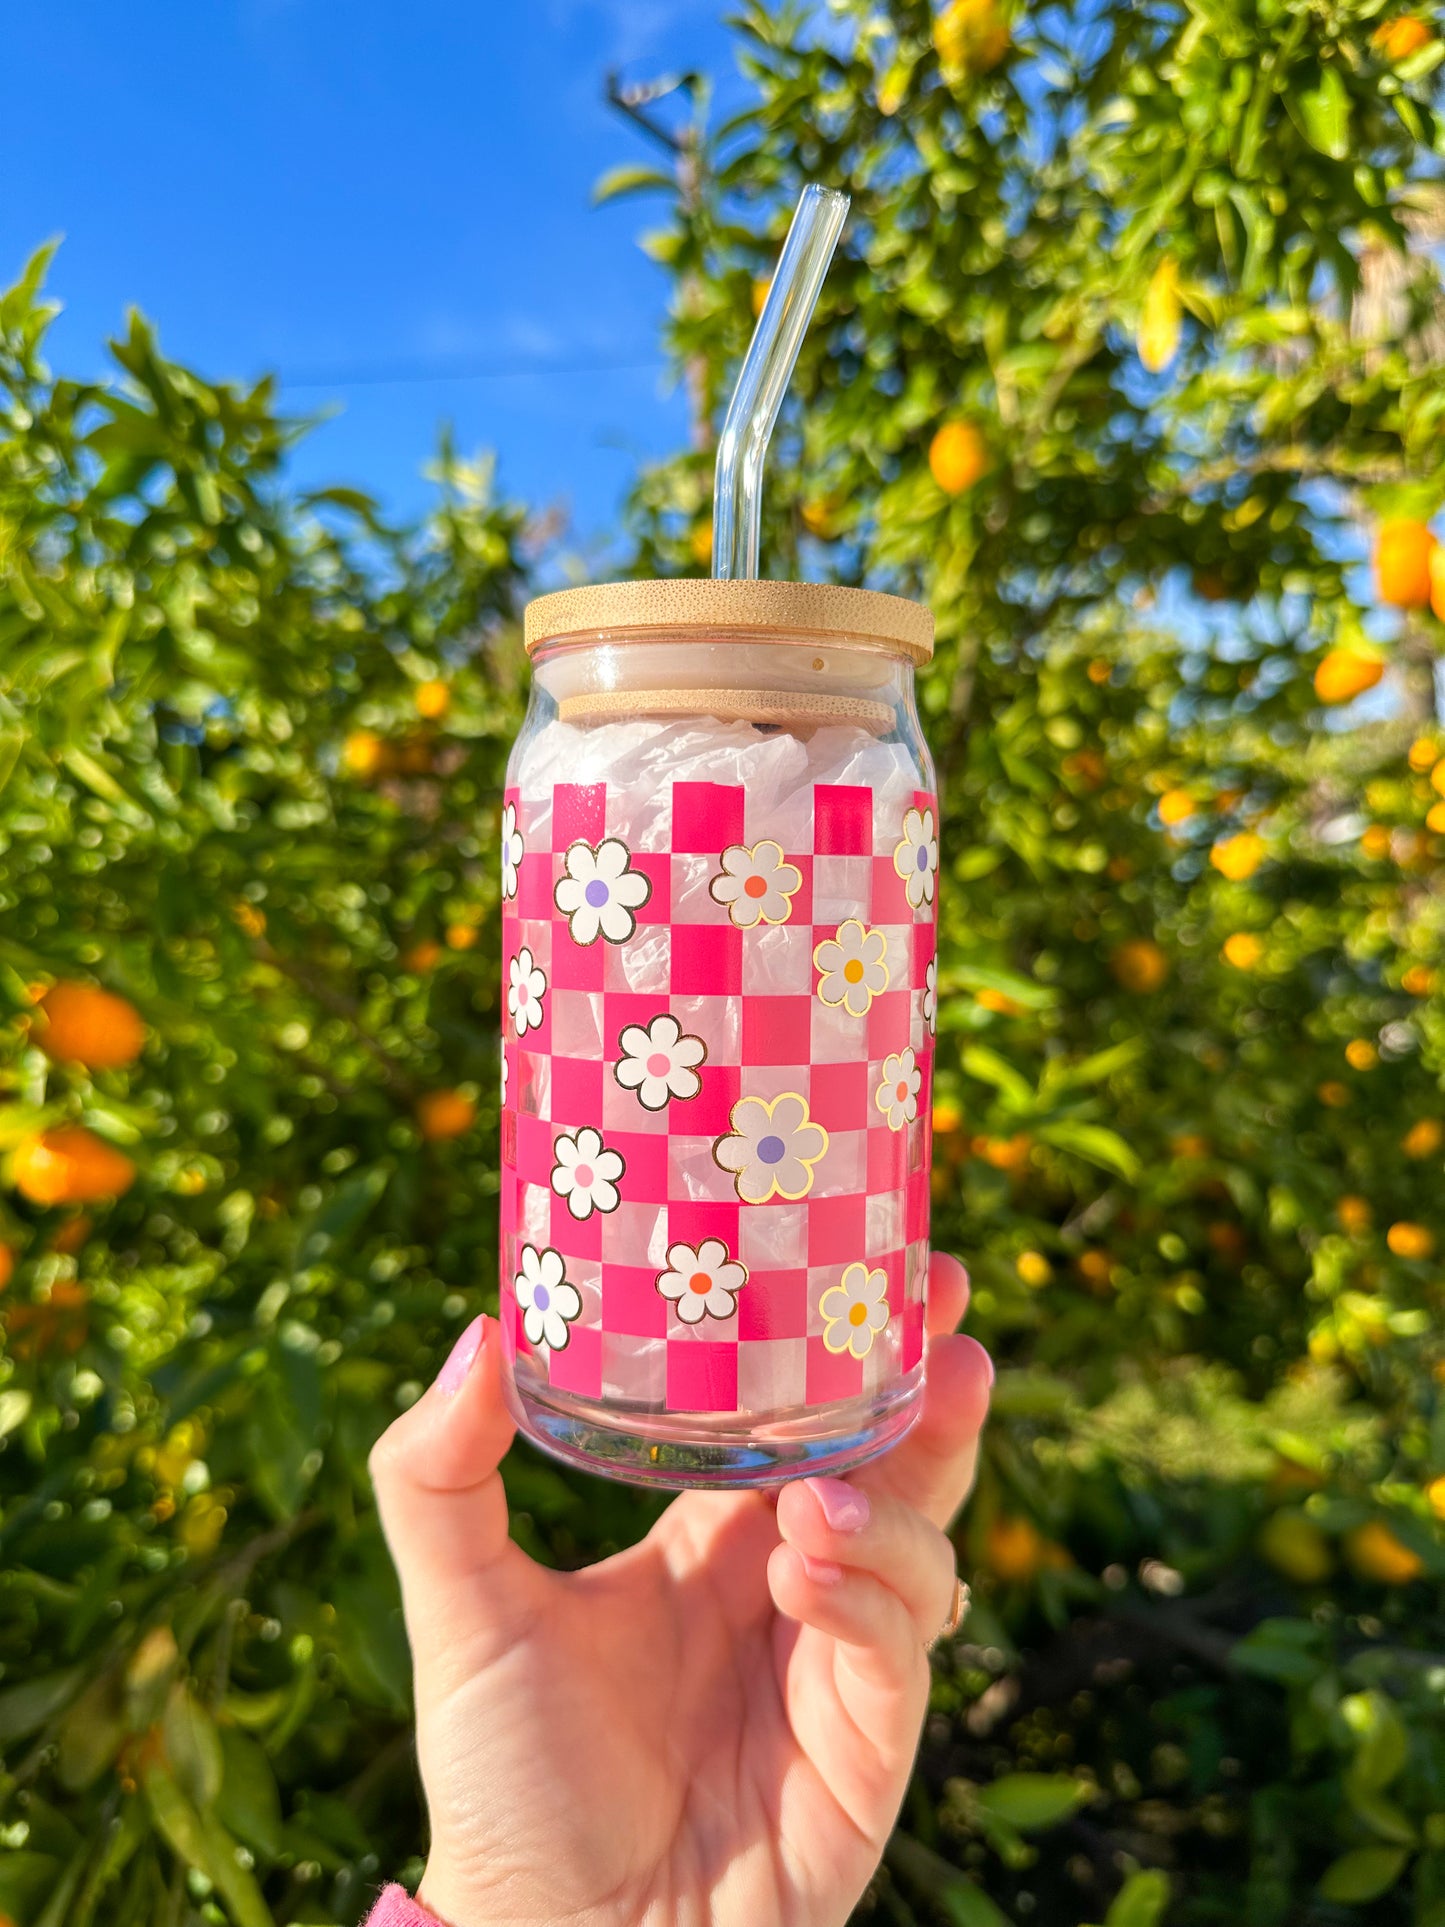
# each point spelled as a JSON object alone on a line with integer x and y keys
{"x": 771, "y": 1149}
{"x": 922, "y": 858}
{"x": 541, "y": 1297}
{"x": 596, "y": 893}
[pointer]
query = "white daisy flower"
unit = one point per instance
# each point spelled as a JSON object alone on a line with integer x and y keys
{"x": 702, "y": 1281}
{"x": 855, "y": 1310}
{"x": 897, "y": 1092}
{"x": 852, "y": 969}
{"x": 772, "y": 1148}
{"x": 659, "y": 1062}
{"x": 916, "y": 858}
{"x": 930, "y": 996}
{"x": 527, "y": 985}
{"x": 600, "y": 892}
{"x": 756, "y": 884}
{"x": 513, "y": 850}
{"x": 506, "y": 1074}
{"x": 586, "y": 1173}
{"x": 549, "y": 1303}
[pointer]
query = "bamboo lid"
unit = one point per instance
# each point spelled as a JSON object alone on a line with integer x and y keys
{"x": 782, "y": 609}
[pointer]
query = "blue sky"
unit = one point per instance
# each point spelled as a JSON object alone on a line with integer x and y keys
{"x": 346, "y": 191}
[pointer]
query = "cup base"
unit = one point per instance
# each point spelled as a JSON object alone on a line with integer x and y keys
{"x": 724, "y": 1452}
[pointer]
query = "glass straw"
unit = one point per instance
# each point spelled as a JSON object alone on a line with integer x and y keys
{"x": 762, "y": 382}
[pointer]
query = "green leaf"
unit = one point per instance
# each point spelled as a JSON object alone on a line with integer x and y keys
{"x": 193, "y": 1746}
{"x": 989, "y": 1068}
{"x": 1093, "y": 1142}
{"x": 1362, "y": 1875}
{"x": 1141, "y": 1901}
{"x": 1381, "y": 1742}
{"x": 1322, "y": 114}
{"x": 249, "y": 1803}
{"x": 24, "y": 1709}
{"x": 1283, "y": 1650}
{"x": 631, "y": 179}
{"x": 203, "y": 1843}
{"x": 1032, "y": 1801}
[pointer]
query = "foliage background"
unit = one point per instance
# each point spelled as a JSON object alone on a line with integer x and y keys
{"x": 1205, "y": 1677}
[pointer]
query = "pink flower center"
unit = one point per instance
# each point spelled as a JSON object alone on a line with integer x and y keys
{"x": 902, "y": 1093}
{"x": 583, "y": 1174}
{"x": 658, "y": 1065}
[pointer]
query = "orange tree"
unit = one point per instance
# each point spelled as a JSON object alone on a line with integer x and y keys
{"x": 1132, "y": 345}
{"x": 1131, "y": 354}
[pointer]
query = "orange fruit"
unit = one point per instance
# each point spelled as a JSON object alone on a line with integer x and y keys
{"x": 364, "y": 754}
{"x": 1175, "y": 806}
{"x": 1244, "y": 949}
{"x": 1403, "y": 550}
{"x": 970, "y": 37}
{"x": 251, "y": 920}
{"x": 1435, "y": 1493}
{"x": 758, "y": 297}
{"x": 1088, "y": 765}
{"x": 998, "y": 1002}
{"x": 1344, "y": 674}
{"x": 699, "y": 544}
{"x": 1099, "y": 671}
{"x": 1005, "y": 1153}
{"x": 1015, "y": 1549}
{"x": 461, "y": 936}
{"x": 90, "y": 1026}
{"x": 1435, "y": 818}
{"x": 1375, "y": 1553}
{"x": 1399, "y": 38}
{"x": 1424, "y": 1138}
{"x": 1355, "y": 1216}
{"x": 1239, "y": 856}
{"x": 1418, "y": 980}
{"x": 1190, "y": 1145}
{"x": 1410, "y": 1240}
{"x": 1333, "y": 1093}
{"x": 59, "y": 1319}
{"x": 7, "y": 1266}
{"x": 1437, "y": 777}
{"x": 1034, "y": 1269}
{"x": 1361, "y": 1055}
{"x": 957, "y": 456}
{"x": 443, "y": 1114}
{"x": 946, "y": 1118}
{"x": 433, "y": 700}
{"x": 1140, "y": 966}
{"x": 421, "y": 957}
{"x": 1423, "y": 754}
{"x": 70, "y": 1165}
{"x": 1097, "y": 1269}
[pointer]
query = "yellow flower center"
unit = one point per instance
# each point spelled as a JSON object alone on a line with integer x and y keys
{"x": 853, "y": 971}
{"x": 857, "y": 1314}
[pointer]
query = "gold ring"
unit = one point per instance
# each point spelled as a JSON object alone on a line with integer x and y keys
{"x": 957, "y": 1613}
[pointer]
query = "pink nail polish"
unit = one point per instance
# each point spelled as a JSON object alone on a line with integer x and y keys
{"x": 822, "y": 1572}
{"x": 460, "y": 1359}
{"x": 844, "y": 1507}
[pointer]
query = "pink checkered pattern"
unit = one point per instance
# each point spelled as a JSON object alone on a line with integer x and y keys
{"x": 750, "y": 995}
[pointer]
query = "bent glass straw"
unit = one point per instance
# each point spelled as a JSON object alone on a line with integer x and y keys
{"x": 762, "y": 382}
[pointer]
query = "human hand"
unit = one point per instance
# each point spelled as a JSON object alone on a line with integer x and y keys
{"x": 713, "y": 1727}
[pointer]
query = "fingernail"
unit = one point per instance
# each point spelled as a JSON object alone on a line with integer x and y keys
{"x": 844, "y": 1507}
{"x": 460, "y": 1359}
{"x": 823, "y": 1572}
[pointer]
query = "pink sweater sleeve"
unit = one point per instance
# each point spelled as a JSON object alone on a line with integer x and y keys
{"x": 396, "y": 1908}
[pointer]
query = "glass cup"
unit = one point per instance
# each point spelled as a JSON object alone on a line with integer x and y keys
{"x": 719, "y": 869}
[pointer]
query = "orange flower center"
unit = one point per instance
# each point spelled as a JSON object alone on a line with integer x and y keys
{"x": 853, "y": 971}
{"x": 857, "y": 1314}
{"x": 700, "y": 1282}
{"x": 756, "y": 887}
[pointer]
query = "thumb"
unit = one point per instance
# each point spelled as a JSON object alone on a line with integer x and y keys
{"x": 466, "y": 1588}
